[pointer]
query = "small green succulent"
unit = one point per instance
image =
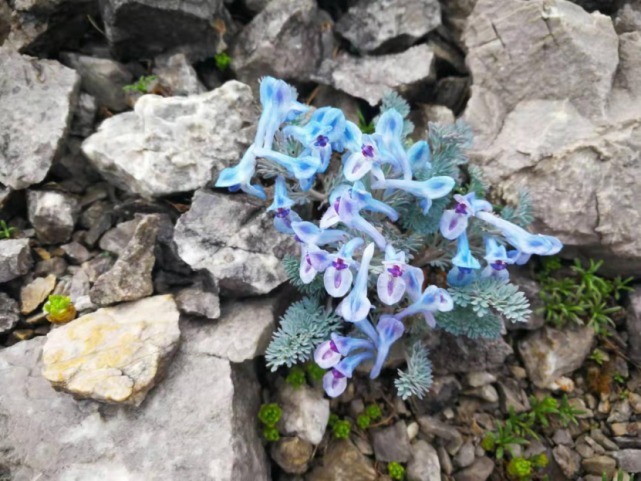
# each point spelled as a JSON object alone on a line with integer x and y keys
{"x": 396, "y": 471}
{"x": 363, "y": 421}
{"x": 223, "y": 60}
{"x": 271, "y": 434}
{"x": 296, "y": 377}
{"x": 374, "y": 412}
{"x": 519, "y": 469}
{"x": 315, "y": 372}
{"x": 59, "y": 309}
{"x": 270, "y": 414}
{"x": 342, "y": 429}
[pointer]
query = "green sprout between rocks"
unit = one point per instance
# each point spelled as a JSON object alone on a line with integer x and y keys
{"x": 340, "y": 428}
{"x": 315, "y": 372}
{"x": 363, "y": 421}
{"x": 142, "y": 85}
{"x": 396, "y": 471}
{"x": 296, "y": 377}
{"x": 59, "y": 309}
{"x": 520, "y": 469}
{"x": 584, "y": 298}
{"x": 5, "y": 231}
{"x": 374, "y": 412}
{"x": 271, "y": 434}
{"x": 618, "y": 378}
{"x": 365, "y": 126}
{"x": 223, "y": 60}
{"x": 599, "y": 356}
{"x": 269, "y": 415}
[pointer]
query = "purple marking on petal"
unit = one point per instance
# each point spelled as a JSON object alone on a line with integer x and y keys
{"x": 308, "y": 260}
{"x": 339, "y": 264}
{"x": 460, "y": 208}
{"x": 337, "y": 203}
{"x": 281, "y": 212}
{"x": 395, "y": 270}
{"x": 453, "y": 222}
{"x": 337, "y": 374}
{"x": 390, "y": 285}
{"x": 321, "y": 141}
{"x": 332, "y": 346}
{"x": 499, "y": 265}
{"x": 298, "y": 239}
{"x": 367, "y": 151}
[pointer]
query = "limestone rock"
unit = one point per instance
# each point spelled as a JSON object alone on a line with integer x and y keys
{"x": 287, "y": 39}
{"x": 568, "y": 460}
{"x": 177, "y": 75}
{"x": 457, "y": 354}
{"x": 629, "y": 460}
{"x": 15, "y": 258}
{"x": 130, "y": 277}
{"x": 369, "y": 78}
{"x": 115, "y": 240}
{"x": 53, "y": 215}
{"x": 292, "y": 454}
{"x": 9, "y": 315}
{"x": 551, "y": 353}
{"x": 633, "y": 324}
{"x": 305, "y": 412}
{"x": 174, "y": 144}
{"x": 371, "y": 25}
{"x": 344, "y": 461}
{"x": 199, "y": 424}
{"x": 233, "y": 239}
{"x": 424, "y": 464}
{"x": 35, "y": 293}
{"x": 116, "y": 354}
{"x": 199, "y": 301}
{"x": 36, "y": 103}
{"x": 392, "y": 443}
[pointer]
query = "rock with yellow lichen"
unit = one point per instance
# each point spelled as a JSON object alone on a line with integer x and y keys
{"x": 114, "y": 354}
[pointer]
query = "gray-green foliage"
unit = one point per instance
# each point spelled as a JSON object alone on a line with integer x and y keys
{"x": 291, "y": 265}
{"x": 417, "y": 378}
{"x": 491, "y": 297}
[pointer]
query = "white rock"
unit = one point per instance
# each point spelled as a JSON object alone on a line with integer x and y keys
{"x": 15, "y": 258}
{"x": 305, "y": 412}
{"x": 53, "y": 215}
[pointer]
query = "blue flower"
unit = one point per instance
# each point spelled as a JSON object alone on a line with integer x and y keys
{"x": 497, "y": 260}
{"x": 335, "y": 380}
{"x": 304, "y": 167}
{"x": 329, "y": 353}
{"x": 434, "y": 299}
{"x": 283, "y": 214}
{"x": 309, "y": 233}
{"x": 356, "y": 306}
{"x": 454, "y": 221}
{"x": 426, "y": 190}
{"x": 397, "y": 275}
{"x": 390, "y": 330}
{"x": 239, "y": 176}
{"x": 389, "y": 129}
{"x": 465, "y": 265}
{"x": 338, "y": 275}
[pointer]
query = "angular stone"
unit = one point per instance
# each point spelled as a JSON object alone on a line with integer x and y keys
{"x": 176, "y": 74}
{"x": 195, "y": 28}
{"x": 114, "y": 355}
{"x": 392, "y": 443}
{"x": 101, "y": 77}
{"x": 633, "y": 325}
{"x": 628, "y": 18}
{"x": 36, "y": 104}
{"x": 551, "y": 353}
{"x": 629, "y": 460}
{"x": 287, "y": 39}
{"x": 82, "y": 126}
{"x": 15, "y": 258}
{"x": 53, "y": 215}
{"x": 76, "y": 252}
{"x": 568, "y": 460}
{"x": 232, "y": 237}
{"x": 369, "y": 78}
{"x": 457, "y": 354}
{"x": 434, "y": 427}
{"x": 174, "y": 144}
{"x": 526, "y": 45}
{"x": 35, "y": 293}
{"x": 479, "y": 471}
{"x": 424, "y": 464}
{"x": 196, "y": 300}
{"x": 305, "y": 412}
{"x": 130, "y": 277}
{"x": 242, "y": 332}
{"x": 343, "y": 461}
{"x": 115, "y": 240}
{"x": 598, "y": 465}
{"x": 165, "y": 438}
{"x": 9, "y": 315}
{"x": 372, "y": 25}
{"x": 292, "y": 454}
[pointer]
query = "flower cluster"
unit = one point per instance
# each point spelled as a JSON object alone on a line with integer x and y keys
{"x": 352, "y": 245}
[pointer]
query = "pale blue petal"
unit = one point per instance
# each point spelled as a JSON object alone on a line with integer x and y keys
{"x": 347, "y": 345}
{"x": 390, "y": 126}
{"x": 452, "y": 224}
{"x": 464, "y": 257}
{"x": 356, "y": 166}
{"x": 390, "y": 289}
{"x": 281, "y": 199}
{"x": 414, "y": 279}
{"x": 389, "y": 330}
{"x": 334, "y": 383}
{"x": 326, "y": 356}
{"x": 419, "y": 155}
{"x": 461, "y": 277}
{"x": 347, "y": 365}
{"x": 337, "y": 282}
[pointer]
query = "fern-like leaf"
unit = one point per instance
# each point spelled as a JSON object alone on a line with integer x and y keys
{"x": 464, "y": 321}
{"x": 417, "y": 378}
{"x": 490, "y": 296}
{"x": 521, "y": 214}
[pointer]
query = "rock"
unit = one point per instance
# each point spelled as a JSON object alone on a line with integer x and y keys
{"x": 563, "y": 436}
{"x": 551, "y": 353}
{"x": 15, "y": 258}
{"x": 174, "y": 144}
{"x": 628, "y": 18}
{"x": 479, "y": 471}
{"x": 531, "y": 289}
{"x": 76, "y": 252}
{"x": 375, "y": 25}
{"x": 165, "y": 438}
{"x": 341, "y": 462}
{"x": 603, "y": 440}
{"x": 629, "y": 460}
{"x": 77, "y": 288}
{"x": 511, "y": 396}
{"x": 130, "y": 277}
{"x": 423, "y": 464}
{"x": 83, "y": 120}
{"x": 36, "y": 104}
{"x": 527, "y": 44}
{"x": 479, "y": 378}
{"x": 391, "y": 443}
{"x": 116, "y": 354}
{"x": 288, "y": 39}
{"x": 9, "y": 315}
{"x": 633, "y": 325}
{"x": 455, "y": 13}
{"x": 115, "y": 240}
{"x": 101, "y": 77}
{"x": 177, "y": 75}
{"x": 198, "y": 301}
{"x": 56, "y": 266}
{"x": 458, "y": 354}
{"x": 621, "y": 412}
{"x": 233, "y": 239}
{"x": 465, "y": 456}
{"x": 243, "y": 331}
{"x": 369, "y": 78}
{"x": 442, "y": 393}
{"x": 305, "y": 413}
{"x": 434, "y": 427}
{"x": 568, "y": 460}
{"x": 598, "y": 465}
{"x": 35, "y": 293}
{"x": 487, "y": 393}
{"x": 53, "y": 215}
{"x": 193, "y": 28}
{"x": 292, "y": 454}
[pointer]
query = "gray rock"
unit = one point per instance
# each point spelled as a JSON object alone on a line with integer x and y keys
{"x": 15, "y": 258}
{"x": 551, "y": 353}
{"x": 195, "y": 28}
{"x": 487, "y": 393}
{"x": 115, "y": 240}
{"x": 479, "y": 471}
{"x": 621, "y": 412}
{"x": 76, "y": 252}
{"x": 255, "y": 6}
{"x": 423, "y": 464}
{"x": 287, "y": 39}
{"x": 53, "y": 215}
{"x": 344, "y": 461}
{"x": 36, "y": 104}
{"x": 292, "y": 454}
{"x": 130, "y": 277}
{"x": 83, "y": 118}
{"x": 9, "y": 315}
{"x": 35, "y": 293}
{"x": 633, "y": 325}
{"x": 56, "y": 266}
{"x": 457, "y": 354}
{"x": 369, "y": 78}
{"x": 174, "y": 144}
{"x": 232, "y": 238}
{"x": 527, "y": 44}
{"x": 101, "y": 77}
{"x": 177, "y": 75}
{"x": 628, "y": 18}
{"x": 598, "y": 465}
{"x": 531, "y": 289}
{"x": 305, "y": 412}
{"x": 563, "y": 436}
{"x": 434, "y": 427}
{"x": 455, "y": 13}
{"x": 199, "y": 301}
{"x": 629, "y": 460}
{"x": 442, "y": 394}
{"x": 568, "y": 460}
{"x": 372, "y": 25}
{"x": 479, "y": 378}
{"x": 243, "y": 330}
{"x": 511, "y": 396}
{"x": 164, "y": 438}
{"x": 391, "y": 443}
{"x": 465, "y": 456}
{"x": 77, "y": 288}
